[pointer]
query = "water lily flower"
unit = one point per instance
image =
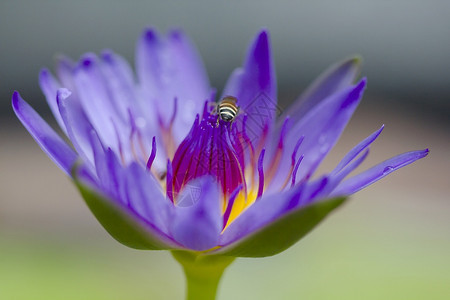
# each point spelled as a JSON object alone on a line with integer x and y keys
{"x": 163, "y": 164}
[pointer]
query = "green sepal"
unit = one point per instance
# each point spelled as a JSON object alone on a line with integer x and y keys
{"x": 281, "y": 234}
{"x": 119, "y": 223}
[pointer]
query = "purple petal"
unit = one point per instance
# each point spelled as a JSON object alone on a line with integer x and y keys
{"x": 120, "y": 83}
{"x": 313, "y": 191}
{"x": 122, "y": 90}
{"x": 45, "y": 136}
{"x": 335, "y": 178}
{"x": 262, "y": 212}
{"x": 360, "y": 181}
{"x": 357, "y": 149}
{"x": 96, "y": 101}
{"x": 190, "y": 63}
{"x": 254, "y": 86}
{"x": 65, "y": 70}
{"x": 75, "y": 120}
{"x": 133, "y": 186}
{"x": 171, "y": 68}
{"x": 146, "y": 197}
{"x": 85, "y": 175}
{"x": 336, "y": 78}
{"x": 49, "y": 85}
{"x": 352, "y": 165}
{"x": 117, "y": 176}
{"x": 109, "y": 211}
{"x": 77, "y": 124}
{"x": 148, "y": 63}
{"x": 101, "y": 166}
{"x": 198, "y": 225}
{"x": 321, "y": 127}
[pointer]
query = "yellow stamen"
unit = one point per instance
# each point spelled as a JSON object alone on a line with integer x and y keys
{"x": 241, "y": 203}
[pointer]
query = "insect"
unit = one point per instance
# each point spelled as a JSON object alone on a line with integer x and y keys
{"x": 227, "y": 109}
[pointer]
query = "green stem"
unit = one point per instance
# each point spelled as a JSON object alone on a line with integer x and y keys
{"x": 203, "y": 273}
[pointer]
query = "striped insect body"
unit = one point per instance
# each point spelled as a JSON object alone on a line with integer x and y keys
{"x": 227, "y": 109}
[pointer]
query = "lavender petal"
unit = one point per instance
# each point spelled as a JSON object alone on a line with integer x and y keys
{"x": 65, "y": 68}
{"x": 321, "y": 127}
{"x": 119, "y": 220}
{"x": 360, "y": 181}
{"x": 49, "y": 86}
{"x": 254, "y": 85}
{"x": 146, "y": 197}
{"x": 119, "y": 81}
{"x": 77, "y": 124}
{"x": 96, "y": 101}
{"x": 197, "y": 226}
{"x": 336, "y": 78}
{"x": 49, "y": 141}
{"x": 357, "y": 149}
{"x": 279, "y": 232}
{"x": 170, "y": 68}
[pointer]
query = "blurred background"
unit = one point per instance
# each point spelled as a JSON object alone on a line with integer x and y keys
{"x": 392, "y": 241}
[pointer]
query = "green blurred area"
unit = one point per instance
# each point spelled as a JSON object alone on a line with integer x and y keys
{"x": 390, "y": 241}
{"x": 340, "y": 260}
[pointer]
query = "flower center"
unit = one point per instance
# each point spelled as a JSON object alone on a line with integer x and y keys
{"x": 211, "y": 147}
{"x": 217, "y": 146}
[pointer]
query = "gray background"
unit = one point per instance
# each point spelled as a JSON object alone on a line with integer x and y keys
{"x": 405, "y": 44}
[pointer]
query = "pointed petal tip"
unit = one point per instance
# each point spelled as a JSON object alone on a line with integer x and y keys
{"x": 87, "y": 61}
{"x": 48, "y": 84}
{"x": 264, "y": 33}
{"x": 350, "y": 62}
{"x": 44, "y": 73}
{"x": 107, "y": 55}
{"x": 262, "y": 39}
{"x": 49, "y": 141}
{"x": 378, "y": 132}
{"x": 355, "y": 93}
{"x": 18, "y": 104}
{"x": 64, "y": 61}
{"x": 355, "y": 63}
{"x": 423, "y": 153}
{"x": 15, "y": 99}
{"x": 258, "y": 74}
{"x": 359, "y": 88}
{"x": 64, "y": 66}
{"x": 416, "y": 155}
{"x": 176, "y": 33}
{"x": 260, "y": 44}
{"x": 377, "y": 172}
{"x": 150, "y": 34}
{"x": 362, "y": 83}
{"x": 356, "y": 60}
